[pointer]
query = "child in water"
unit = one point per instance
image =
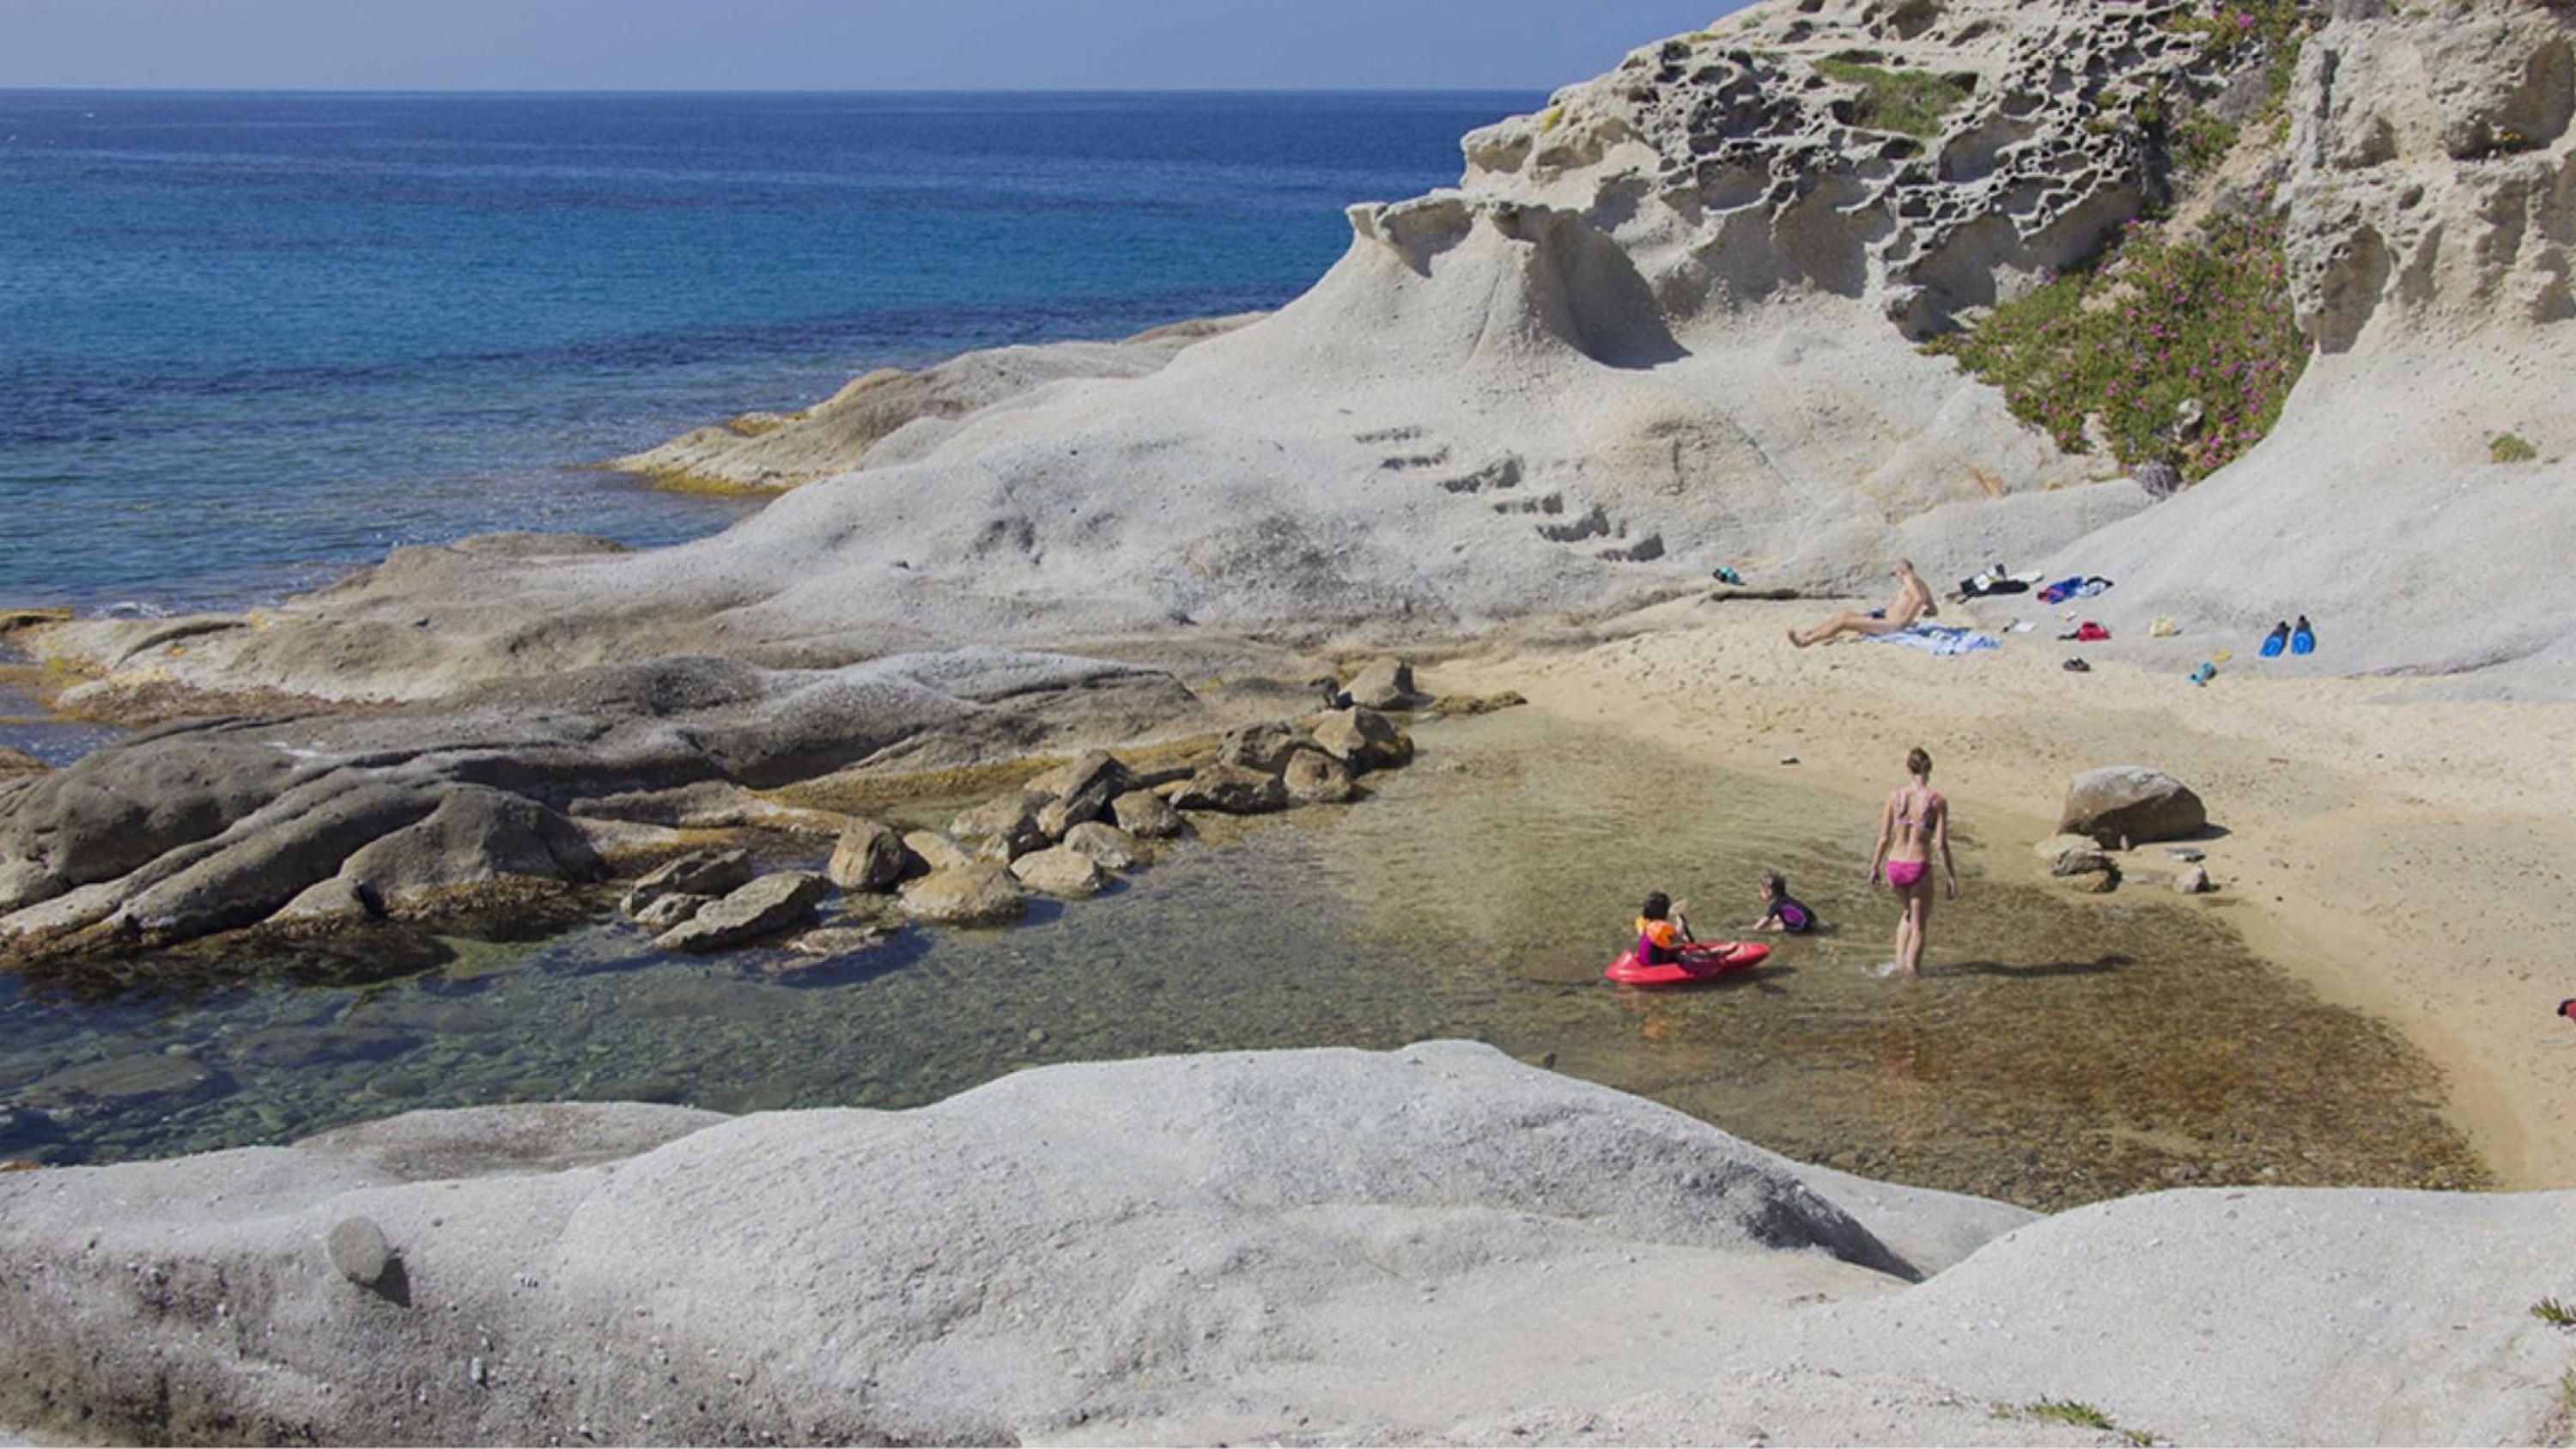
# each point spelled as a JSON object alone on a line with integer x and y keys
{"x": 1664, "y": 936}
{"x": 1782, "y": 911}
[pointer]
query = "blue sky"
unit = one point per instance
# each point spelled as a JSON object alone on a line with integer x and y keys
{"x": 826, "y": 44}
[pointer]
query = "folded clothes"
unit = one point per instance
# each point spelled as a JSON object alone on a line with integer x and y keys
{"x": 1936, "y": 639}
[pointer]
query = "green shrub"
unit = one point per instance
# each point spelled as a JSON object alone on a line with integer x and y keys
{"x": 2068, "y": 1411}
{"x": 2510, "y": 448}
{"x": 2201, "y": 141}
{"x": 2554, "y": 1313}
{"x": 2158, "y": 320}
{"x": 1908, "y": 101}
{"x": 2233, "y": 30}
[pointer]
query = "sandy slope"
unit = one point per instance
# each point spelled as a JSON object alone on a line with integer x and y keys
{"x": 2410, "y": 856}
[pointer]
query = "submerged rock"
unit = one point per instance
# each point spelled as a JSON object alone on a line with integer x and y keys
{"x": 1059, "y": 871}
{"x": 1109, "y": 847}
{"x": 769, "y": 906}
{"x": 979, "y": 893}
{"x": 2131, "y": 805}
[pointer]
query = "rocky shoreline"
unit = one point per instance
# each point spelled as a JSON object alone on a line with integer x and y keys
{"x": 1430, "y": 1245}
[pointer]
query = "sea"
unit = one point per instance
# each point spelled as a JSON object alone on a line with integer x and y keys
{"x": 251, "y": 342}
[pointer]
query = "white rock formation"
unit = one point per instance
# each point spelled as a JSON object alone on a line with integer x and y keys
{"x": 2430, "y": 197}
{"x": 1328, "y": 1245}
{"x": 1664, "y": 325}
{"x": 891, "y": 415}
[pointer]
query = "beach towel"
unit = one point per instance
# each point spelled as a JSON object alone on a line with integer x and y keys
{"x": 1935, "y": 639}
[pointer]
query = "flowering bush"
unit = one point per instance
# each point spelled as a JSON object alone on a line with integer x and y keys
{"x": 2158, "y": 321}
{"x": 2235, "y": 30}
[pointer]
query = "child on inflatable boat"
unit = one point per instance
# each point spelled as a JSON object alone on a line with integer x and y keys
{"x": 1664, "y": 938}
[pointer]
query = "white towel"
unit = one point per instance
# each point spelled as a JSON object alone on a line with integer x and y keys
{"x": 1934, "y": 639}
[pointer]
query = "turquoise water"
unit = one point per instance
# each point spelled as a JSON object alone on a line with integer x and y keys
{"x": 250, "y": 341}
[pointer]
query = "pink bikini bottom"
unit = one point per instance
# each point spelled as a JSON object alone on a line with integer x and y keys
{"x": 1902, "y": 874}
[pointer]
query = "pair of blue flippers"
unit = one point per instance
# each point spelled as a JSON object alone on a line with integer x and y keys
{"x": 2297, "y": 639}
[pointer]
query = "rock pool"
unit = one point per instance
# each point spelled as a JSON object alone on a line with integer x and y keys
{"x": 2064, "y": 1049}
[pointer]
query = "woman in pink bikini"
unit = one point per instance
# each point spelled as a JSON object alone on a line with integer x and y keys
{"x": 1917, "y": 819}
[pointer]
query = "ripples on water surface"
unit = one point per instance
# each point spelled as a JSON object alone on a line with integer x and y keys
{"x": 2068, "y": 1049}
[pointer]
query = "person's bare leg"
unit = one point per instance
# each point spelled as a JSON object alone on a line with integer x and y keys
{"x": 1845, "y": 622}
{"x": 1918, "y": 919}
{"x": 1904, "y": 934}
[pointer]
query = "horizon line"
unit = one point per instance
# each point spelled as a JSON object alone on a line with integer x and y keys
{"x": 140, "y": 90}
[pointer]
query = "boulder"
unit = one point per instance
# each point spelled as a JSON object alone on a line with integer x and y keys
{"x": 2132, "y": 804}
{"x": 1316, "y": 778}
{"x": 1003, "y": 828}
{"x": 2050, "y": 849}
{"x": 1146, "y": 815}
{"x": 2192, "y": 881}
{"x": 1079, "y": 791}
{"x": 936, "y": 851}
{"x": 1230, "y": 790}
{"x": 699, "y": 873}
{"x": 870, "y": 857}
{"x": 2095, "y": 883}
{"x": 1363, "y": 739}
{"x": 19, "y": 762}
{"x": 1109, "y": 847}
{"x": 2085, "y": 859}
{"x": 1264, "y": 747}
{"x": 769, "y": 906}
{"x": 664, "y": 912}
{"x": 1384, "y": 683}
{"x": 979, "y": 893}
{"x": 1058, "y": 871}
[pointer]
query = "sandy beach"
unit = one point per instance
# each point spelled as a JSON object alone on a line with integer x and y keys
{"x": 2406, "y": 856}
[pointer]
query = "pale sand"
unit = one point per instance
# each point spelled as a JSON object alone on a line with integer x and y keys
{"x": 2409, "y": 857}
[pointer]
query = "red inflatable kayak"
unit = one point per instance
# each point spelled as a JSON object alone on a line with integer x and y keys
{"x": 1702, "y": 962}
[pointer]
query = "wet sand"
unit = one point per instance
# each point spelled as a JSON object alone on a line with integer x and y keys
{"x": 2404, "y": 856}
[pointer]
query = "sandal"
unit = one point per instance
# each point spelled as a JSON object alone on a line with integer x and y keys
{"x": 2076, "y": 665}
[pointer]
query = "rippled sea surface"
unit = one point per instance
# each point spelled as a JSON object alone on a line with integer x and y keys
{"x": 2063, "y": 1049}
{"x": 249, "y": 342}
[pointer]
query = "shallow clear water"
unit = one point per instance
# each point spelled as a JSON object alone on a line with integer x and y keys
{"x": 250, "y": 341}
{"x": 2066, "y": 1049}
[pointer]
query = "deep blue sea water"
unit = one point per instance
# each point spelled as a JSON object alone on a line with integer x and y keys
{"x": 248, "y": 342}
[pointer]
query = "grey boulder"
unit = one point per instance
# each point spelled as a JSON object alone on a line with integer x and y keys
{"x": 1146, "y": 815}
{"x": 1230, "y": 790}
{"x": 2131, "y": 803}
{"x": 976, "y": 894}
{"x": 1363, "y": 739}
{"x": 770, "y": 906}
{"x": 870, "y": 856}
{"x": 1057, "y": 871}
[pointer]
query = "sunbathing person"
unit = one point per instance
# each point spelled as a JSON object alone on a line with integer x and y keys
{"x": 1913, "y": 602}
